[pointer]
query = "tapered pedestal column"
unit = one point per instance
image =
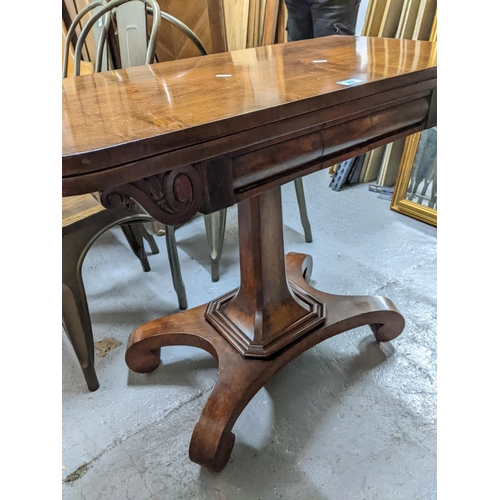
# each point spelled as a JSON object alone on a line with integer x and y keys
{"x": 257, "y": 329}
{"x": 266, "y": 313}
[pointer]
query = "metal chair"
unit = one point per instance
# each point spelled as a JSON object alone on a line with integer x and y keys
{"x": 85, "y": 219}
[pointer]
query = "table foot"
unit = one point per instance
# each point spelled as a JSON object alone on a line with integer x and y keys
{"x": 240, "y": 378}
{"x": 345, "y": 312}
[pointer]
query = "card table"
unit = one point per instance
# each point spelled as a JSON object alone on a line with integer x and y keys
{"x": 205, "y": 133}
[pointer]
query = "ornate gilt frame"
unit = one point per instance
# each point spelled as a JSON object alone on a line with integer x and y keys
{"x": 399, "y": 202}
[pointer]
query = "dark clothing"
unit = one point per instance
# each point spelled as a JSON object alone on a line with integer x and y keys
{"x": 317, "y": 18}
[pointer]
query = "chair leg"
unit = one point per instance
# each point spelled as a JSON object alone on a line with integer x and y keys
{"x": 149, "y": 238}
{"x": 215, "y": 227}
{"x": 82, "y": 345}
{"x": 75, "y": 311}
{"x": 135, "y": 239}
{"x": 299, "y": 190}
{"x": 175, "y": 268}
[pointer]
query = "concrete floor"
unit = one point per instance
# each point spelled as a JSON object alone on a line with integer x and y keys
{"x": 349, "y": 419}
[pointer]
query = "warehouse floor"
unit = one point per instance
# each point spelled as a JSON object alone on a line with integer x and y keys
{"x": 348, "y": 419}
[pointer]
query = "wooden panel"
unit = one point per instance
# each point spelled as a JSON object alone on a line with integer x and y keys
{"x": 281, "y": 33}
{"x": 172, "y": 44}
{"x": 404, "y": 10}
{"x": 262, "y": 10}
{"x": 217, "y": 23}
{"x": 375, "y": 19}
{"x": 390, "y": 19}
{"x": 425, "y": 18}
{"x": 390, "y": 163}
{"x": 362, "y": 175}
{"x": 270, "y": 22}
{"x": 252, "y": 13}
{"x": 433, "y": 35}
{"x": 236, "y": 16}
{"x": 409, "y": 20}
{"x": 374, "y": 159}
{"x": 75, "y": 208}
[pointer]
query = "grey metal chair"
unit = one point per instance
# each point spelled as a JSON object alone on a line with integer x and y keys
{"x": 215, "y": 226}
{"x": 85, "y": 219}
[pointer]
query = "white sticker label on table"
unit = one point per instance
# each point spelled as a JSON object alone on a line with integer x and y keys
{"x": 351, "y": 81}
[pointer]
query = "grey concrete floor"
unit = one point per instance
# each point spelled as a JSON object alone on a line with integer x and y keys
{"x": 349, "y": 419}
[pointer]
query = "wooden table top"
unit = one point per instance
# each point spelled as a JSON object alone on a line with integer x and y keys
{"x": 115, "y": 118}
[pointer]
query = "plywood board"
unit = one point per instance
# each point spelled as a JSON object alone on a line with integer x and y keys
{"x": 389, "y": 167}
{"x": 390, "y": 19}
{"x": 373, "y": 166}
{"x": 362, "y": 175}
{"x": 236, "y": 16}
{"x": 375, "y": 20}
{"x": 404, "y": 10}
{"x": 252, "y": 13}
{"x": 217, "y": 26}
{"x": 270, "y": 22}
{"x": 410, "y": 18}
{"x": 425, "y": 18}
{"x": 281, "y": 33}
{"x": 262, "y": 16}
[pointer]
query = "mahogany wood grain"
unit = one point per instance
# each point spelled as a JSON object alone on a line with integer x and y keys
{"x": 157, "y": 114}
{"x": 239, "y": 378}
{"x": 264, "y": 314}
{"x": 178, "y": 139}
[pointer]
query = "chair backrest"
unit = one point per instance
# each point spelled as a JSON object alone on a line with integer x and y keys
{"x": 135, "y": 46}
{"x": 85, "y": 67}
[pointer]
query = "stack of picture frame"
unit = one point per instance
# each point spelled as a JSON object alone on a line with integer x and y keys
{"x": 382, "y": 167}
{"x": 405, "y": 19}
{"x": 415, "y": 192}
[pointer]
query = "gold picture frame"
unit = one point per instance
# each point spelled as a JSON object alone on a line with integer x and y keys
{"x": 399, "y": 202}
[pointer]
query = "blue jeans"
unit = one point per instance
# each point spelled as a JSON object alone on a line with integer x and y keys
{"x": 317, "y": 18}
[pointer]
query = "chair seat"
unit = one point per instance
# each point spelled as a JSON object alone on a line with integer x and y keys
{"x": 77, "y": 208}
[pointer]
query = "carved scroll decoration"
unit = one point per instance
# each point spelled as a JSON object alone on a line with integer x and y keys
{"x": 171, "y": 197}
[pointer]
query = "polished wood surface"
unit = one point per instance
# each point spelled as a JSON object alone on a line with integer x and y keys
{"x": 178, "y": 139}
{"x": 113, "y": 119}
{"x": 239, "y": 378}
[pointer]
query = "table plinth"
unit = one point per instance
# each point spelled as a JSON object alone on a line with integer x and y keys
{"x": 273, "y": 317}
